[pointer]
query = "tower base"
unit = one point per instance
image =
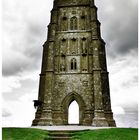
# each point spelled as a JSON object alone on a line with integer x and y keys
{"x": 99, "y": 119}
{"x": 100, "y": 122}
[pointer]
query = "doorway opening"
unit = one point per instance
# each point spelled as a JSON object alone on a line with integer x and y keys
{"x": 73, "y": 113}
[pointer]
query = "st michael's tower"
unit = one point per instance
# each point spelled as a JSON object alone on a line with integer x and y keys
{"x": 74, "y": 67}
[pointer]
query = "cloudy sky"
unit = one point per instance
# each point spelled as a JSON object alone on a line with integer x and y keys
{"x": 24, "y": 25}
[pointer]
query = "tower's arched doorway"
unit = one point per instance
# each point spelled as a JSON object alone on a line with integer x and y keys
{"x": 67, "y": 105}
{"x": 73, "y": 113}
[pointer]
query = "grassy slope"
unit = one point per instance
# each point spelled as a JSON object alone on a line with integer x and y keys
{"x": 104, "y": 134}
{"x": 23, "y": 134}
{"x": 108, "y": 134}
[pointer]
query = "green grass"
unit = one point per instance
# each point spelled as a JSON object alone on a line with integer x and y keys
{"x": 107, "y": 134}
{"x": 23, "y": 134}
{"x": 103, "y": 134}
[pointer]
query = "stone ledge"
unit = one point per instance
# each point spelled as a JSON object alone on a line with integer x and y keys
{"x": 69, "y": 128}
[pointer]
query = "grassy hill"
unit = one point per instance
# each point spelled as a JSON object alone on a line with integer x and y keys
{"x": 104, "y": 134}
{"x": 23, "y": 134}
{"x": 108, "y": 134}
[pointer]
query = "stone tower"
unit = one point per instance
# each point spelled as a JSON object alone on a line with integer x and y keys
{"x": 74, "y": 67}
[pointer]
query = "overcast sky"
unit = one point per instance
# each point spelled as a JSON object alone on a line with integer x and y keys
{"x": 24, "y": 25}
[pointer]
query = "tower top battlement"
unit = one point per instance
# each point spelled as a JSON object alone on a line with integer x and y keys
{"x": 62, "y": 3}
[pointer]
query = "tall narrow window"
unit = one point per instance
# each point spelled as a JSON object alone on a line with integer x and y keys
{"x": 73, "y": 23}
{"x": 73, "y": 64}
{"x": 84, "y": 47}
{"x": 64, "y": 24}
{"x": 83, "y": 21}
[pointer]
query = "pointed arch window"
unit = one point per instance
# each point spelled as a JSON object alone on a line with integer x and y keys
{"x": 73, "y": 23}
{"x": 84, "y": 47}
{"x": 73, "y": 64}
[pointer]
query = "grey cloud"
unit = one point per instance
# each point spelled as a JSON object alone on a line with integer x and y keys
{"x": 28, "y": 86}
{"x": 133, "y": 107}
{"x": 132, "y": 82}
{"x": 34, "y": 38}
{"x": 127, "y": 120}
{"x": 37, "y": 28}
{"x": 120, "y": 27}
{"x": 28, "y": 33}
{"x": 19, "y": 65}
{"x": 6, "y": 113}
{"x": 29, "y": 57}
